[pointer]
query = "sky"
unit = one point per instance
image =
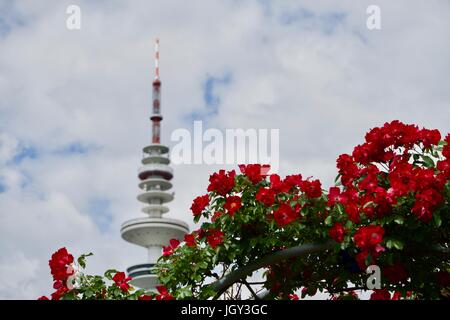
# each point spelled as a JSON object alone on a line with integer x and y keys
{"x": 74, "y": 104}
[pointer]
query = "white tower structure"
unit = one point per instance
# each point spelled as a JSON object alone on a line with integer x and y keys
{"x": 153, "y": 231}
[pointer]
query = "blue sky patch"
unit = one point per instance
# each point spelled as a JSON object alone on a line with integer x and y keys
{"x": 9, "y": 19}
{"x": 99, "y": 209}
{"x": 25, "y": 152}
{"x": 76, "y": 148}
{"x": 309, "y": 20}
{"x": 210, "y": 98}
{"x": 2, "y": 186}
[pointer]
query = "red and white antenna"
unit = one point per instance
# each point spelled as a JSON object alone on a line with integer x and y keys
{"x": 156, "y": 116}
{"x": 157, "y": 59}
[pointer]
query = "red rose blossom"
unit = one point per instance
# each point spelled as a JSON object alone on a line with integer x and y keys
{"x": 199, "y": 204}
{"x": 59, "y": 264}
{"x": 312, "y": 189}
{"x": 293, "y": 180}
{"x": 163, "y": 294}
{"x": 121, "y": 281}
{"x": 214, "y": 237}
{"x": 285, "y": 214}
{"x": 216, "y": 216}
{"x": 334, "y": 196}
{"x": 59, "y": 293}
{"x": 190, "y": 240}
{"x": 442, "y": 278}
{"x": 380, "y": 294}
{"x": 446, "y": 149}
{"x": 265, "y": 196}
{"x": 369, "y": 237}
{"x": 395, "y": 273}
{"x": 255, "y": 172}
{"x": 232, "y": 204}
{"x": 222, "y": 182}
{"x": 277, "y": 185}
{"x": 168, "y": 250}
{"x": 337, "y": 232}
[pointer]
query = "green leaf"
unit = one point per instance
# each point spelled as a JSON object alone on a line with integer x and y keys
{"x": 428, "y": 161}
{"x": 82, "y": 259}
{"x": 389, "y": 244}
{"x": 437, "y": 219}
{"x": 109, "y": 274}
{"x": 329, "y": 220}
{"x": 348, "y": 224}
{"x": 337, "y": 180}
{"x": 88, "y": 293}
{"x": 399, "y": 220}
{"x": 393, "y": 243}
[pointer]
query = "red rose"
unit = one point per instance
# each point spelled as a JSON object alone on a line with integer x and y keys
{"x": 443, "y": 278}
{"x": 284, "y": 215}
{"x": 214, "y": 237}
{"x": 255, "y": 172}
{"x": 266, "y": 196}
{"x": 232, "y": 204}
{"x": 444, "y": 167}
{"x": 190, "y": 240}
{"x": 216, "y": 216}
{"x": 422, "y": 211}
{"x": 446, "y": 150}
{"x": 121, "y": 281}
{"x": 347, "y": 169}
{"x": 222, "y": 182}
{"x": 293, "y": 180}
{"x": 43, "y": 298}
{"x": 395, "y": 273}
{"x": 312, "y": 189}
{"x": 276, "y": 185}
{"x": 58, "y": 284}
{"x": 145, "y": 297}
{"x": 337, "y": 232}
{"x": 352, "y": 210}
{"x": 201, "y": 233}
{"x": 334, "y": 196}
{"x": 397, "y": 295}
{"x": 59, "y": 293}
{"x": 430, "y": 137}
{"x": 361, "y": 259}
{"x": 168, "y": 250}
{"x": 199, "y": 204}
{"x": 59, "y": 264}
{"x": 293, "y": 297}
{"x": 369, "y": 237}
{"x": 163, "y": 294}
{"x": 380, "y": 294}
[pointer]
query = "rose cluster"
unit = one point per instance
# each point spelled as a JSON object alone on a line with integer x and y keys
{"x": 61, "y": 268}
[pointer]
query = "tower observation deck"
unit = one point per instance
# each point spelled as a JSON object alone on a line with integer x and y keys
{"x": 153, "y": 231}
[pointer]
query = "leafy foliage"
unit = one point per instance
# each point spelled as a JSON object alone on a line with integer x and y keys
{"x": 389, "y": 207}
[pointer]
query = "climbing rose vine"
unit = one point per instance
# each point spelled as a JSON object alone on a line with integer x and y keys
{"x": 389, "y": 207}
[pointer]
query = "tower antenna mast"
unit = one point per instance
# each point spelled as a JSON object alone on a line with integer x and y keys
{"x": 156, "y": 116}
{"x": 153, "y": 232}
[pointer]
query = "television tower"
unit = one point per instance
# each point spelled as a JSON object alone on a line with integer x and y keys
{"x": 153, "y": 231}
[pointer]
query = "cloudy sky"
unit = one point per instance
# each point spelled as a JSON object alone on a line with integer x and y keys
{"x": 74, "y": 104}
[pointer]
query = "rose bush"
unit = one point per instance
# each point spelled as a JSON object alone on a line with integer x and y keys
{"x": 389, "y": 207}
